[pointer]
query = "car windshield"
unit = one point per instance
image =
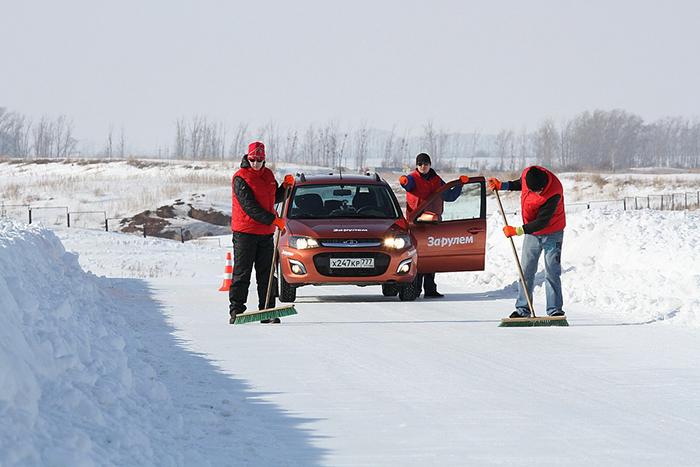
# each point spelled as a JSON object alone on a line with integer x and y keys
{"x": 347, "y": 200}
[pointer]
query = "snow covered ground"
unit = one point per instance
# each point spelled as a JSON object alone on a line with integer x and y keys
{"x": 123, "y": 356}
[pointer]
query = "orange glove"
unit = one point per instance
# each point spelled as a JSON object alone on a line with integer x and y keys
{"x": 463, "y": 179}
{"x": 510, "y": 231}
{"x": 288, "y": 181}
{"x": 403, "y": 180}
{"x": 279, "y": 223}
{"x": 494, "y": 184}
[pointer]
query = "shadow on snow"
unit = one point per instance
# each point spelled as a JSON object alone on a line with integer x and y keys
{"x": 224, "y": 422}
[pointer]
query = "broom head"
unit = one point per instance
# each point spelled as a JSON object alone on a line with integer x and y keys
{"x": 530, "y": 322}
{"x": 268, "y": 313}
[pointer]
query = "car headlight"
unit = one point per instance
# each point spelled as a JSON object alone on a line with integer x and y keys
{"x": 302, "y": 243}
{"x": 397, "y": 242}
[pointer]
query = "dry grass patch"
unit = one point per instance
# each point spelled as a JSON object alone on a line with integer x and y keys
{"x": 12, "y": 191}
{"x": 598, "y": 180}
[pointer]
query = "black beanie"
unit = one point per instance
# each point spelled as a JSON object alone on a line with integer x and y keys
{"x": 423, "y": 158}
{"x": 536, "y": 179}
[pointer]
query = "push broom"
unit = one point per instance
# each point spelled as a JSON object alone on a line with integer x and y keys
{"x": 269, "y": 313}
{"x": 532, "y": 320}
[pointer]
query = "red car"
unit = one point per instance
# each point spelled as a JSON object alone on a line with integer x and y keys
{"x": 350, "y": 229}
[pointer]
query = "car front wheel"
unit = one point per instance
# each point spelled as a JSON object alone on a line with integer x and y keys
{"x": 288, "y": 293}
{"x": 409, "y": 292}
{"x": 390, "y": 290}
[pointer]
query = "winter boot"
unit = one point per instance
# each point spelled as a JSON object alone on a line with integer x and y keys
{"x": 271, "y": 321}
{"x": 433, "y": 294}
{"x": 516, "y": 314}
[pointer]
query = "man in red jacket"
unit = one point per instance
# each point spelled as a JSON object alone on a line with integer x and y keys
{"x": 419, "y": 185}
{"x": 542, "y": 206}
{"x": 253, "y": 222}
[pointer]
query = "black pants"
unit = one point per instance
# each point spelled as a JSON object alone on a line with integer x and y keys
{"x": 426, "y": 282}
{"x": 251, "y": 250}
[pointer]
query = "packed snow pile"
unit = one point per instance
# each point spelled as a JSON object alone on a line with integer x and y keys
{"x": 636, "y": 265}
{"x": 73, "y": 389}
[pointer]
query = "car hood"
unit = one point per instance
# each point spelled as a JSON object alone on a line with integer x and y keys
{"x": 340, "y": 228}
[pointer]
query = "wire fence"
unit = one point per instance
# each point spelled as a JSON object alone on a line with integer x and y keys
{"x": 62, "y": 215}
{"x": 665, "y": 202}
{"x": 670, "y": 202}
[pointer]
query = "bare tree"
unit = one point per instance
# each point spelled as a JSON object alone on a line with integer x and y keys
{"x": 122, "y": 143}
{"x": 309, "y": 146}
{"x": 476, "y": 136}
{"x": 504, "y": 140}
{"x": 402, "y": 150}
{"x": 524, "y": 139}
{"x": 546, "y": 143}
{"x": 238, "y": 145}
{"x": 361, "y": 147}
{"x": 387, "y": 159}
{"x": 180, "y": 138}
{"x": 564, "y": 144}
{"x": 429, "y": 139}
{"x": 110, "y": 142}
{"x": 66, "y": 143}
{"x": 196, "y": 130}
{"x": 14, "y": 134}
{"x": 291, "y": 143}
{"x": 42, "y": 138}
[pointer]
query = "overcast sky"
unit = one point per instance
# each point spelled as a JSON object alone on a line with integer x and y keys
{"x": 465, "y": 65}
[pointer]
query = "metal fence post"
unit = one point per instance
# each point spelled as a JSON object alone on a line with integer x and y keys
{"x": 624, "y": 204}
{"x": 68, "y": 219}
{"x": 106, "y": 225}
{"x": 30, "y": 215}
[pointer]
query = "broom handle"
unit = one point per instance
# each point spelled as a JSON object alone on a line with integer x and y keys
{"x": 517, "y": 259}
{"x": 274, "y": 254}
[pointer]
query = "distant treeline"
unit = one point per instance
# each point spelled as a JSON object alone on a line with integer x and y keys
{"x": 601, "y": 140}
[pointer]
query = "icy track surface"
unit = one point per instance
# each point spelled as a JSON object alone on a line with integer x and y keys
{"x": 133, "y": 363}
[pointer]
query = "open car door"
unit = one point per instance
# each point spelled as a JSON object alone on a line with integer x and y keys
{"x": 455, "y": 239}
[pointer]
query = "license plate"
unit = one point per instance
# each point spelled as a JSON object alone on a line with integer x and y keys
{"x": 352, "y": 263}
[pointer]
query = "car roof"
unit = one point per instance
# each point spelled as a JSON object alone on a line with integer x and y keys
{"x": 336, "y": 179}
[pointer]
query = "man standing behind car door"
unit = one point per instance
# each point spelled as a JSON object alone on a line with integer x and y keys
{"x": 253, "y": 222}
{"x": 419, "y": 185}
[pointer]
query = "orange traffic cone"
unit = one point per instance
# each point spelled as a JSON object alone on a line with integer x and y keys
{"x": 228, "y": 274}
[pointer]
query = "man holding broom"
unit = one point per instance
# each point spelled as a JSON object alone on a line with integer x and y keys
{"x": 542, "y": 207}
{"x": 253, "y": 221}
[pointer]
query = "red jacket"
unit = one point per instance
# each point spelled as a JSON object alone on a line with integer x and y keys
{"x": 422, "y": 190}
{"x": 263, "y": 185}
{"x": 530, "y": 203}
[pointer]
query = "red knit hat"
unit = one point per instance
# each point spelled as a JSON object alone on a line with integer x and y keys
{"x": 256, "y": 149}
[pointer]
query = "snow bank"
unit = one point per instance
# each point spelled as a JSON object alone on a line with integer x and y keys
{"x": 72, "y": 391}
{"x": 640, "y": 264}
{"x": 636, "y": 265}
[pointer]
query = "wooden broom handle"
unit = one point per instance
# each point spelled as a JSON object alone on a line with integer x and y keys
{"x": 517, "y": 259}
{"x": 274, "y": 253}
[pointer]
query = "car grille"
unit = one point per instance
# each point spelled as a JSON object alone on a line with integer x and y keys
{"x": 351, "y": 242}
{"x": 322, "y": 263}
